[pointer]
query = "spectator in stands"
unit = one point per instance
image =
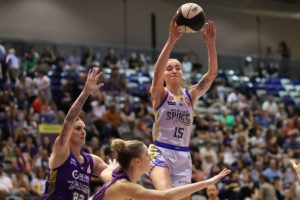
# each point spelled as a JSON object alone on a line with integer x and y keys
{"x": 112, "y": 120}
{"x": 22, "y": 161}
{"x": 46, "y": 145}
{"x": 98, "y": 105}
{"x": 94, "y": 145}
{"x": 134, "y": 63}
{"x": 231, "y": 186}
{"x": 122, "y": 63}
{"x": 13, "y": 65}
{"x": 248, "y": 68}
{"x": 29, "y": 148}
{"x": 21, "y": 184}
{"x": 266, "y": 189}
{"x": 292, "y": 143}
{"x": 257, "y": 142}
{"x": 212, "y": 192}
{"x": 270, "y": 105}
{"x": 272, "y": 171}
{"x": 60, "y": 62}
{"x": 40, "y": 104}
{"x": 278, "y": 184}
{"x": 247, "y": 185}
{"x": 234, "y": 96}
{"x": 5, "y": 183}
{"x": 128, "y": 116}
{"x": 110, "y": 60}
{"x": 47, "y": 57}
{"x": 74, "y": 60}
{"x": 43, "y": 84}
{"x": 187, "y": 65}
{"x": 213, "y": 97}
{"x": 209, "y": 151}
{"x": 42, "y": 160}
{"x": 285, "y": 54}
{"x": 88, "y": 58}
{"x": 38, "y": 182}
{"x": 271, "y": 71}
{"x": 262, "y": 118}
{"x": 142, "y": 109}
{"x": 116, "y": 83}
{"x": 30, "y": 61}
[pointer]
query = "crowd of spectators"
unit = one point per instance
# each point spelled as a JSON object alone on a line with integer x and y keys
{"x": 254, "y": 136}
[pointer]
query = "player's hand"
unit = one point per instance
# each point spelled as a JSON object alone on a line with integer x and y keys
{"x": 219, "y": 176}
{"x": 113, "y": 164}
{"x": 296, "y": 167}
{"x": 174, "y": 33}
{"x": 208, "y": 32}
{"x": 91, "y": 84}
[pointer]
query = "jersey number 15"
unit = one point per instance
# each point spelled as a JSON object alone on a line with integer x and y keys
{"x": 178, "y": 132}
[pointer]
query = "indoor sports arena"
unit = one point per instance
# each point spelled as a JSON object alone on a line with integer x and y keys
{"x": 150, "y": 99}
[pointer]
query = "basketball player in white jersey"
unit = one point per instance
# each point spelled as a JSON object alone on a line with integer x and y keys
{"x": 173, "y": 109}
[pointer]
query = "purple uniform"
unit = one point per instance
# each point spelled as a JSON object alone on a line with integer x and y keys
{"x": 71, "y": 180}
{"x": 117, "y": 175}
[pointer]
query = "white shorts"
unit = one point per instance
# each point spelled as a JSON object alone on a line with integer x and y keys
{"x": 179, "y": 163}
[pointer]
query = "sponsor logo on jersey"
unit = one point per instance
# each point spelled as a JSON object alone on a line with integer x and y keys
{"x": 172, "y": 103}
{"x": 73, "y": 162}
{"x": 78, "y": 186}
{"x": 182, "y": 116}
{"x": 79, "y": 176}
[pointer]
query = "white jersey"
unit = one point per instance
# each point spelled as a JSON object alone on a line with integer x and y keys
{"x": 174, "y": 119}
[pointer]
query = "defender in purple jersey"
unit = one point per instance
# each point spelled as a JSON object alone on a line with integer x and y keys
{"x": 173, "y": 110}
{"x": 71, "y": 168}
{"x": 134, "y": 161}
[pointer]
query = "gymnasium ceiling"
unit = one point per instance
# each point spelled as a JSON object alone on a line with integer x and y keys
{"x": 273, "y": 8}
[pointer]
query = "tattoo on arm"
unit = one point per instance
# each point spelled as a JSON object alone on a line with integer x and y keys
{"x": 76, "y": 108}
{"x": 74, "y": 113}
{"x": 201, "y": 84}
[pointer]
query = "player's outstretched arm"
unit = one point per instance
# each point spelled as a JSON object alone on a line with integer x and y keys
{"x": 61, "y": 148}
{"x": 137, "y": 192}
{"x": 157, "y": 88}
{"x": 208, "y": 34}
{"x": 296, "y": 167}
{"x": 102, "y": 170}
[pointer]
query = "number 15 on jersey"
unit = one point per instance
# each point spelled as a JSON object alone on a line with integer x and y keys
{"x": 178, "y": 132}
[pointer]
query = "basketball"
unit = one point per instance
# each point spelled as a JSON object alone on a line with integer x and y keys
{"x": 190, "y": 18}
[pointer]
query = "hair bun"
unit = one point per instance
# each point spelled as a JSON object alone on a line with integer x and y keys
{"x": 118, "y": 145}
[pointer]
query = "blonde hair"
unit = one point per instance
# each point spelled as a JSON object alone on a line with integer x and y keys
{"x": 126, "y": 151}
{"x": 118, "y": 145}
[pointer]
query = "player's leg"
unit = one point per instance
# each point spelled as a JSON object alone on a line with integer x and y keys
{"x": 182, "y": 175}
{"x": 161, "y": 178}
{"x": 159, "y": 173}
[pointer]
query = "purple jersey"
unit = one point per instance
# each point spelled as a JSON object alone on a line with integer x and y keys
{"x": 71, "y": 180}
{"x": 117, "y": 175}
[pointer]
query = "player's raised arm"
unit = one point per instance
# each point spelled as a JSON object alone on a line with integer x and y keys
{"x": 61, "y": 148}
{"x": 209, "y": 36}
{"x": 157, "y": 88}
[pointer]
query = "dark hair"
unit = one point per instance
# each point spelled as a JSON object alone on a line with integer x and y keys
{"x": 126, "y": 151}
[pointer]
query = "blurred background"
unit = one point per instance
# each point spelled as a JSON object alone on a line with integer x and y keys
{"x": 248, "y": 120}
